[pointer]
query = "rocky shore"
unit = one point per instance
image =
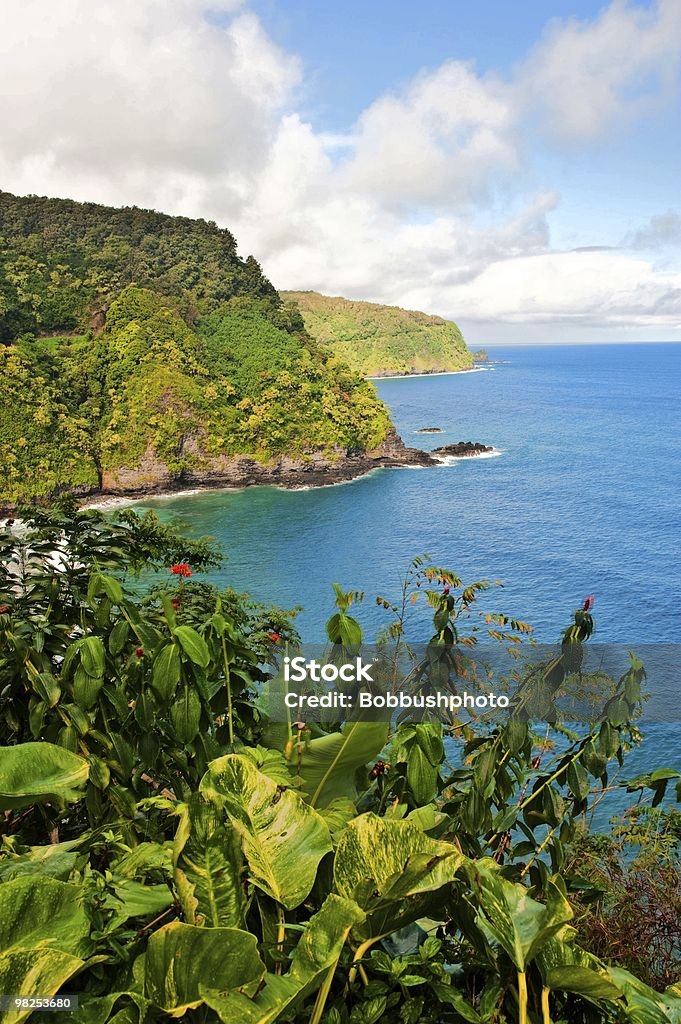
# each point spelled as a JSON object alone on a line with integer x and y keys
{"x": 153, "y": 476}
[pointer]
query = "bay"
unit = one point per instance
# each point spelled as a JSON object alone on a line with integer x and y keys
{"x": 585, "y": 497}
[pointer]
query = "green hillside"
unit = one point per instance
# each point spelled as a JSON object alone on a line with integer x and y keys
{"x": 375, "y": 340}
{"x": 135, "y": 345}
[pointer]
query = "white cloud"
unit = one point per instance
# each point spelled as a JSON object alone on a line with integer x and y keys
{"x": 587, "y": 77}
{"x": 425, "y": 202}
{"x": 136, "y": 101}
{"x": 591, "y": 287}
{"x": 437, "y": 142}
{"x": 663, "y": 229}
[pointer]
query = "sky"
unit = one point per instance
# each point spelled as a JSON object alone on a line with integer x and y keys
{"x": 515, "y": 167}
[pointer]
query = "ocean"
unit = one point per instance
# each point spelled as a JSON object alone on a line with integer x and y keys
{"x": 584, "y": 498}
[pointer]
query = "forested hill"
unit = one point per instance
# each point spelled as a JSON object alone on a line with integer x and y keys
{"x": 138, "y": 351}
{"x": 376, "y": 340}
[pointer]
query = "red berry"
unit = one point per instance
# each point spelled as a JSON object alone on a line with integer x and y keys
{"x": 140, "y": 652}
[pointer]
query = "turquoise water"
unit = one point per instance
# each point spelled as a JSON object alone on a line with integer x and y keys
{"x": 585, "y": 498}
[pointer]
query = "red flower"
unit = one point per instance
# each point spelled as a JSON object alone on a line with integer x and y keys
{"x": 274, "y": 637}
{"x": 4, "y": 608}
{"x": 588, "y": 603}
{"x": 176, "y": 603}
{"x": 140, "y": 652}
{"x": 180, "y": 569}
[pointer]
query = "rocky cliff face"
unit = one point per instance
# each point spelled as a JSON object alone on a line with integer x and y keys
{"x": 313, "y": 469}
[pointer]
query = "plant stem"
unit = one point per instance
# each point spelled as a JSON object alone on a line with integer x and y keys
{"x": 281, "y": 936}
{"x": 522, "y": 998}
{"x": 359, "y": 954}
{"x": 545, "y": 1007}
{"x": 323, "y": 995}
{"x": 228, "y": 684}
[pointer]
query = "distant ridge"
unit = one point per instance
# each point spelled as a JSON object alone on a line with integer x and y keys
{"x": 378, "y": 340}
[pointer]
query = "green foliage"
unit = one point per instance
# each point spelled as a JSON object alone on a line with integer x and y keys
{"x": 62, "y": 262}
{"x": 377, "y": 340}
{"x": 167, "y": 851}
{"x": 139, "y": 348}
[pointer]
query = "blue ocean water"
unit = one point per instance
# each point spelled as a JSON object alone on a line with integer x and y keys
{"x": 585, "y": 498}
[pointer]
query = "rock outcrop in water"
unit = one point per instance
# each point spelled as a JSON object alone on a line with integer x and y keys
{"x": 462, "y": 449}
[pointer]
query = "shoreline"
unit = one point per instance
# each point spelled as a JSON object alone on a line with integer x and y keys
{"x": 111, "y": 501}
{"x": 424, "y": 373}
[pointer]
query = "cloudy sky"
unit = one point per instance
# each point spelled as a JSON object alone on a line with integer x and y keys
{"x": 516, "y": 167}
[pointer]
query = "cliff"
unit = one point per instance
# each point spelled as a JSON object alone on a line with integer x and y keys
{"x": 378, "y": 340}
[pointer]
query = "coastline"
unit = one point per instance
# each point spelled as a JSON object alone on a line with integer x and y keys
{"x": 423, "y": 373}
{"x": 303, "y": 480}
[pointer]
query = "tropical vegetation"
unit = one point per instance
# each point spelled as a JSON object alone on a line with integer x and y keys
{"x": 378, "y": 340}
{"x": 136, "y": 343}
{"x": 170, "y": 851}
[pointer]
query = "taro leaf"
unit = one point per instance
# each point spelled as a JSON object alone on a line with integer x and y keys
{"x": 270, "y": 762}
{"x": 40, "y": 912}
{"x": 583, "y": 981}
{"x": 55, "y": 861}
{"x": 427, "y": 817}
{"x": 283, "y": 839}
{"x": 519, "y": 924}
{"x": 383, "y": 865}
{"x": 31, "y": 972}
{"x": 182, "y": 959}
{"x": 34, "y": 772}
{"x": 644, "y": 1005}
{"x": 317, "y": 953}
{"x": 208, "y": 866}
{"x": 327, "y": 764}
{"x": 337, "y": 815}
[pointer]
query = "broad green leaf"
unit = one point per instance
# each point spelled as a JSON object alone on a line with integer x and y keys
{"x": 31, "y": 972}
{"x": 34, "y": 772}
{"x": 40, "y": 912}
{"x": 519, "y": 924}
{"x": 317, "y": 953}
{"x": 283, "y": 839}
{"x": 93, "y": 656}
{"x": 383, "y": 865}
{"x": 644, "y": 1005}
{"x": 583, "y": 981}
{"x": 118, "y": 637}
{"x": 185, "y": 714}
{"x": 326, "y": 765}
{"x": 208, "y": 867}
{"x": 166, "y": 671}
{"x": 182, "y": 959}
{"x": 55, "y": 861}
{"x": 450, "y": 994}
{"x": 421, "y": 776}
{"x": 193, "y": 645}
{"x": 135, "y": 899}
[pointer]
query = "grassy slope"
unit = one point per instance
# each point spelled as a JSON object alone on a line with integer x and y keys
{"x": 375, "y": 339}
